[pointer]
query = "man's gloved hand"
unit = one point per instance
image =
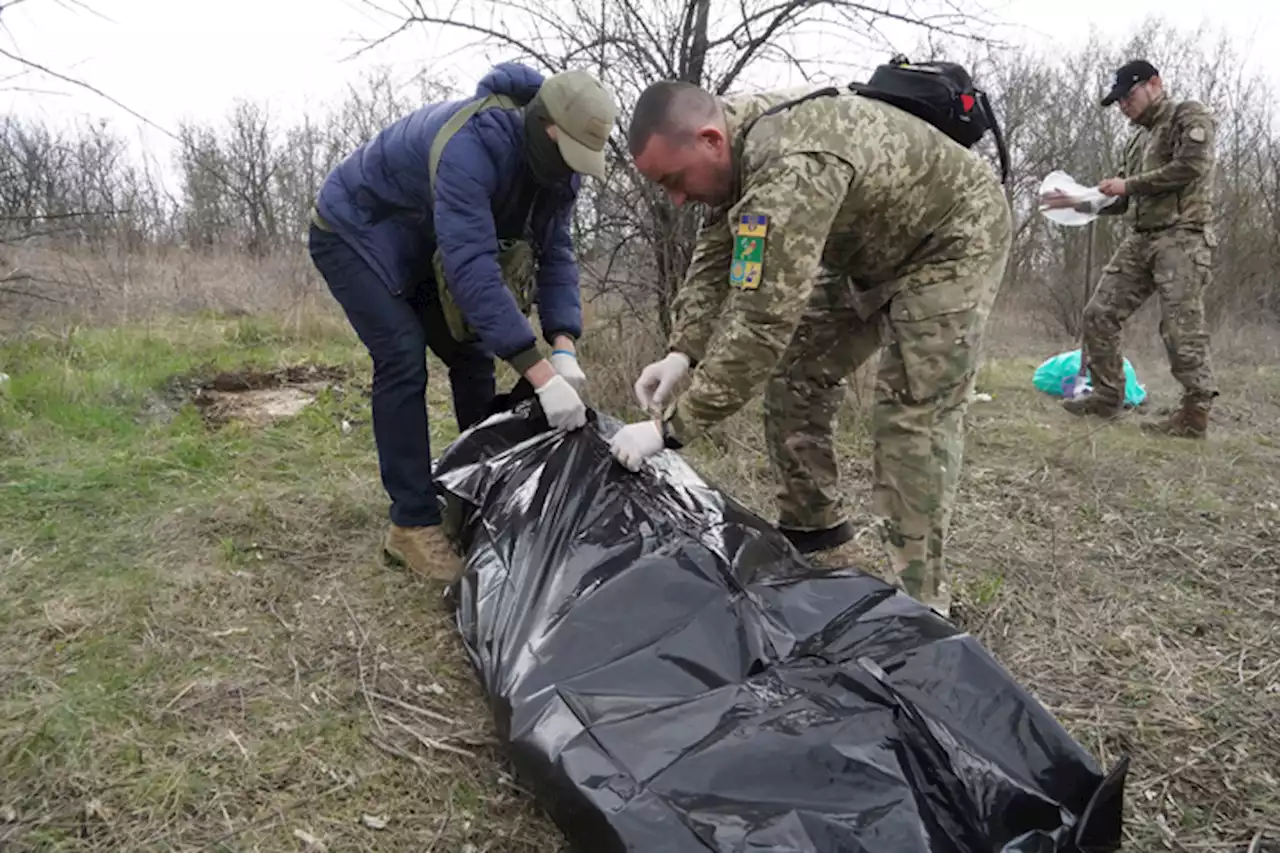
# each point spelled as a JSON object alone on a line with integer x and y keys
{"x": 1114, "y": 186}
{"x": 566, "y": 364}
{"x": 656, "y": 381}
{"x": 561, "y": 404}
{"x": 635, "y": 443}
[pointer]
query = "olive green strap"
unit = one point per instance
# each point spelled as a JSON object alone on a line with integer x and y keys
{"x": 452, "y": 126}
{"x": 458, "y": 326}
{"x": 455, "y": 123}
{"x": 318, "y": 220}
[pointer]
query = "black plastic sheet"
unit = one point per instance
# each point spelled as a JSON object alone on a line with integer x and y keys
{"x": 668, "y": 674}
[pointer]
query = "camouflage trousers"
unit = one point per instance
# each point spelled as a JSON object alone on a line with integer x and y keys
{"x": 1176, "y": 264}
{"x": 931, "y": 335}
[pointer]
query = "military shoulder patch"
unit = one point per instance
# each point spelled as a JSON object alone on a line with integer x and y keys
{"x": 748, "y": 251}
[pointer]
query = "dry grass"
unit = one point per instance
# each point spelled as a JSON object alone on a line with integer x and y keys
{"x": 202, "y": 650}
{"x": 1131, "y": 583}
{"x": 101, "y": 287}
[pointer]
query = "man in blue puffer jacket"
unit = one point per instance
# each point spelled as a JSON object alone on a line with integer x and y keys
{"x": 386, "y": 231}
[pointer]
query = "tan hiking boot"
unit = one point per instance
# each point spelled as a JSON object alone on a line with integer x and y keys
{"x": 1092, "y": 404}
{"x": 1190, "y": 421}
{"x": 426, "y": 551}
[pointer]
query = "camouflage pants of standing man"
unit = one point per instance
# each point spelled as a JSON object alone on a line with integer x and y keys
{"x": 1176, "y": 264}
{"x": 931, "y": 333}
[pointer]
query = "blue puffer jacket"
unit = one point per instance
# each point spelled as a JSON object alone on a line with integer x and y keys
{"x": 378, "y": 200}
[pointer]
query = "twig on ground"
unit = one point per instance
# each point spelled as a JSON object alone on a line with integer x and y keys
{"x": 392, "y": 749}
{"x": 183, "y": 692}
{"x": 271, "y": 608}
{"x": 244, "y": 753}
{"x": 294, "y": 554}
{"x": 297, "y": 674}
{"x": 444, "y": 824}
{"x": 1196, "y": 759}
{"x": 1058, "y": 453}
{"x": 430, "y": 743}
{"x": 1274, "y": 665}
{"x": 279, "y": 814}
{"x": 364, "y": 686}
{"x": 430, "y": 715}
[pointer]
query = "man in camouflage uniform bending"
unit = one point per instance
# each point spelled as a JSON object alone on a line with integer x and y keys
{"x": 1165, "y": 183}
{"x": 838, "y": 225}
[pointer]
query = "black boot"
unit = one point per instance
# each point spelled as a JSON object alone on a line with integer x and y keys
{"x": 810, "y": 541}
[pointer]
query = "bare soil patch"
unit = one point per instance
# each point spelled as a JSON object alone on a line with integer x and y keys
{"x": 260, "y": 397}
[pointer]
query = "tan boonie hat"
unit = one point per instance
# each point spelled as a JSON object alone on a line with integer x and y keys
{"x": 584, "y": 112}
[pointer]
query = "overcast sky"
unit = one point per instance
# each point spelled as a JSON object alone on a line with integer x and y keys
{"x": 176, "y": 59}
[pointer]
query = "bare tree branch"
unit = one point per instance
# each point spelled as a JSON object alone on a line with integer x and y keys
{"x": 86, "y": 86}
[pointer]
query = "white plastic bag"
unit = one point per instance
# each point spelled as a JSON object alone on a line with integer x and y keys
{"x": 1060, "y": 180}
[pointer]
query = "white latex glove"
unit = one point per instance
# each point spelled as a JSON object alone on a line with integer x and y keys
{"x": 561, "y": 404}
{"x": 566, "y": 364}
{"x": 635, "y": 443}
{"x": 656, "y": 381}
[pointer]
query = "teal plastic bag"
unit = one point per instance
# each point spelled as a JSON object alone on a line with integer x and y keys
{"x": 1055, "y": 372}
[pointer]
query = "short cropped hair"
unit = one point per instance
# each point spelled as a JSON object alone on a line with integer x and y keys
{"x": 670, "y": 108}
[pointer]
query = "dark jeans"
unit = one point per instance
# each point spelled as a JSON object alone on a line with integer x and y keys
{"x": 397, "y": 331}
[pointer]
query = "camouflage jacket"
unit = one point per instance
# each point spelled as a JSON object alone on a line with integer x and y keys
{"x": 847, "y": 183}
{"x": 1168, "y": 168}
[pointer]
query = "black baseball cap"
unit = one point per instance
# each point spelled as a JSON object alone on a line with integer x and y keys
{"x": 1129, "y": 75}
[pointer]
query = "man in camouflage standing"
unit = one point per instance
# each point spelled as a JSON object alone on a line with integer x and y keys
{"x": 838, "y": 225}
{"x": 1165, "y": 183}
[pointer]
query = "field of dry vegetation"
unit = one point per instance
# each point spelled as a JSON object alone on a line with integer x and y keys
{"x": 203, "y": 651}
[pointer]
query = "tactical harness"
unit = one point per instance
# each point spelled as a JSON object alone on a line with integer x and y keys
{"x": 516, "y": 257}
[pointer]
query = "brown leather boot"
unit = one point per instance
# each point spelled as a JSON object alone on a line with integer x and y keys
{"x": 1093, "y": 404}
{"x": 426, "y": 551}
{"x": 1190, "y": 421}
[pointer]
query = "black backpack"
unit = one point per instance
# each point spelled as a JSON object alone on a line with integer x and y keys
{"x": 941, "y": 93}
